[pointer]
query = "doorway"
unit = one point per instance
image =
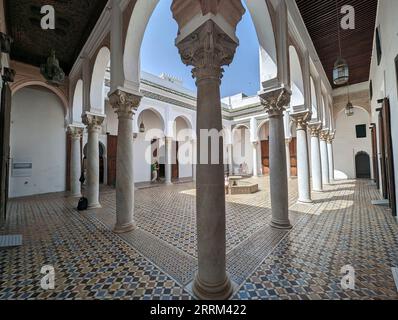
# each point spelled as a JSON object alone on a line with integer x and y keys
{"x": 265, "y": 156}
{"x": 362, "y": 166}
{"x": 293, "y": 157}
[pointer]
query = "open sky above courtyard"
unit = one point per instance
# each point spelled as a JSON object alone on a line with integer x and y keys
{"x": 160, "y": 55}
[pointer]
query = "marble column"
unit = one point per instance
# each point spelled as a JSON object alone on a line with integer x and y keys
{"x": 76, "y": 134}
{"x": 330, "y": 157}
{"x": 303, "y": 163}
{"x": 208, "y": 49}
{"x": 316, "y": 165}
{"x": 169, "y": 159}
{"x": 275, "y": 102}
{"x": 255, "y": 159}
{"x": 94, "y": 127}
{"x": 288, "y": 162}
{"x": 125, "y": 105}
{"x": 324, "y": 157}
{"x": 194, "y": 157}
{"x": 230, "y": 159}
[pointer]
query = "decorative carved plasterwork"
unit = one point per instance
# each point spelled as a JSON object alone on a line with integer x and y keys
{"x": 207, "y": 50}
{"x": 301, "y": 120}
{"x": 124, "y": 103}
{"x": 275, "y": 101}
{"x": 324, "y": 135}
{"x": 93, "y": 121}
{"x": 75, "y": 132}
{"x": 315, "y": 129}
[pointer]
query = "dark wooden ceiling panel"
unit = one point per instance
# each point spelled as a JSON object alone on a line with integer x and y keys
{"x": 320, "y": 17}
{"x": 75, "y": 19}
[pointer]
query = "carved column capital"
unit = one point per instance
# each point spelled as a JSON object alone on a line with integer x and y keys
{"x": 315, "y": 129}
{"x": 324, "y": 135}
{"x": 124, "y": 103}
{"x": 93, "y": 121}
{"x": 75, "y": 132}
{"x": 207, "y": 49}
{"x": 301, "y": 120}
{"x": 275, "y": 101}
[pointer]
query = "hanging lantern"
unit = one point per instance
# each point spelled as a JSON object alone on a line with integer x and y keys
{"x": 340, "y": 72}
{"x": 349, "y": 109}
{"x": 142, "y": 127}
{"x": 52, "y": 71}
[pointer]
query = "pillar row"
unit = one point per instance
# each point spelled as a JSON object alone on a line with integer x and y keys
{"x": 330, "y": 157}
{"x": 255, "y": 159}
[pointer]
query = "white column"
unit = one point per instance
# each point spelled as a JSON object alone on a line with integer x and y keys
{"x": 194, "y": 159}
{"x": 208, "y": 49}
{"x": 230, "y": 159}
{"x": 324, "y": 158}
{"x": 330, "y": 157}
{"x": 93, "y": 123}
{"x": 169, "y": 159}
{"x": 76, "y": 160}
{"x": 274, "y": 102}
{"x": 288, "y": 162}
{"x": 125, "y": 104}
{"x": 255, "y": 159}
{"x": 316, "y": 165}
{"x": 303, "y": 165}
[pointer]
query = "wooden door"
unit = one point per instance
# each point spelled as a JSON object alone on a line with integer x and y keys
{"x": 293, "y": 157}
{"x": 112, "y": 156}
{"x": 175, "y": 166}
{"x": 374, "y": 155}
{"x": 389, "y": 157}
{"x": 5, "y": 122}
{"x": 265, "y": 156}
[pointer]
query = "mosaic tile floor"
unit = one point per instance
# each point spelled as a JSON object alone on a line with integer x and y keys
{"x": 158, "y": 260}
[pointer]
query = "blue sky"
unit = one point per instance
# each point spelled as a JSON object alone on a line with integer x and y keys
{"x": 159, "y": 54}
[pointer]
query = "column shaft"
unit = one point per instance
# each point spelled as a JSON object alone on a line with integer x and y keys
{"x": 274, "y": 103}
{"x": 288, "y": 162}
{"x": 169, "y": 159}
{"x": 76, "y": 161}
{"x": 93, "y": 166}
{"x": 125, "y": 105}
{"x": 255, "y": 159}
{"x": 330, "y": 159}
{"x": 303, "y": 166}
{"x": 324, "y": 159}
{"x": 316, "y": 161}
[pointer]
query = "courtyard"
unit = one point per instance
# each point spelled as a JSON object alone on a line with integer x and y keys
{"x": 158, "y": 260}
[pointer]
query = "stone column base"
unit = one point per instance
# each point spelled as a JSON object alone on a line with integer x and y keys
{"x": 77, "y": 195}
{"x": 283, "y": 225}
{"x": 305, "y": 201}
{"x": 94, "y": 206}
{"x": 124, "y": 228}
{"x": 204, "y": 291}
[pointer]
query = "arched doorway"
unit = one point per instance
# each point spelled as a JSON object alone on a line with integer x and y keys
{"x": 362, "y": 165}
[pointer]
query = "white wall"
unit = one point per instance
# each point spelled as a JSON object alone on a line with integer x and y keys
{"x": 384, "y": 76}
{"x": 38, "y": 135}
{"x": 346, "y": 144}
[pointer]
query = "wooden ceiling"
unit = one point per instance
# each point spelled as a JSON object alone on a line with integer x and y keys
{"x": 75, "y": 19}
{"x": 320, "y": 17}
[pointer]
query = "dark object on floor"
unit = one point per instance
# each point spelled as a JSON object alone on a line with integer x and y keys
{"x": 83, "y": 204}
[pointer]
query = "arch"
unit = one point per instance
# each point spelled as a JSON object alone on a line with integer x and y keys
{"x": 77, "y": 103}
{"x": 296, "y": 78}
{"x": 260, "y": 126}
{"x": 262, "y": 20}
{"x": 181, "y": 122}
{"x": 97, "y": 88}
{"x": 142, "y": 12}
{"x": 362, "y": 165}
{"x": 151, "y": 110}
{"x": 16, "y": 86}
